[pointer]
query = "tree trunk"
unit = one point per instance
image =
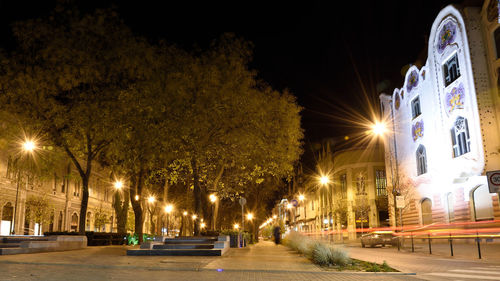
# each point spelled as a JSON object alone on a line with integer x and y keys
{"x": 136, "y": 189}
{"x": 85, "y": 202}
{"x": 197, "y": 197}
{"x": 121, "y": 210}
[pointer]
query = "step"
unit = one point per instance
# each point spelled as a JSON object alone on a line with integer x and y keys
{"x": 21, "y": 239}
{"x": 184, "y": 246}
{"x": 189, "y": 241}
{"x": 175, "y": 252}
{"x": 9, "y": 245}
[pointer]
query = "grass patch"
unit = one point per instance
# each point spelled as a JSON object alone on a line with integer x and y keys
{"x": 359, "y": 265}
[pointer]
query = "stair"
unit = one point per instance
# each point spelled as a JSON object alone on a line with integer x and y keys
{"x": 184, "y": 246}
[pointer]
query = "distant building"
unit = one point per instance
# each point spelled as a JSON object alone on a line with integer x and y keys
{"x": 353, "y": 200}
{"x": 446, "y": 122}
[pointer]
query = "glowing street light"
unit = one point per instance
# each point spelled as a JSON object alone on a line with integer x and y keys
{"x": 275, "y": 216}
{"x": 213, "y": 198}
{"x": 136, "y": 197}
{"x": 194, "y": 217}
{"x": 301, "y": 197}
{"x": 379, "y": 128}
{"x": 324, "y": 180}
{"x": 249, "y": 216}
{"x": 29, "y": 146}
{"x": 151, "y": 199}
{"x": 202, "y": 225}
{"x": 236, "y": 226}
{"x": 169, "y": 208}
{"x": 289, "y": 206}
{"x": 118, "y": 184}
{"x": 185, "y": 213}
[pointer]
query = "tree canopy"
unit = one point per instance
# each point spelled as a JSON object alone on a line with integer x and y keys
{"x": 202, "y": 120}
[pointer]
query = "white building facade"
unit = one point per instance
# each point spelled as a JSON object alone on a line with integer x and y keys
{"x": 445, "y": 122}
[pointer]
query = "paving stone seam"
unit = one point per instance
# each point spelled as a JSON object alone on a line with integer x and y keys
{"x": 203, "y": 269}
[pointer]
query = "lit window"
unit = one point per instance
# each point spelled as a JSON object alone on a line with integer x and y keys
{"x": 421, "y": 160}
{"x": 381, "y": 182}
{"x": 451, "y": 70}
{"x": 415, "y": 107}
{"x": 343, "y": 186}
{"x": 460, "y": 137}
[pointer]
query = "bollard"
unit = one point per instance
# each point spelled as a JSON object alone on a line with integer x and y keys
{"x": 430, "y": 248}
{"x": 451, "y": 245}
{"x": 399, "y": 243}
{"x": 412, "y": 247}
{"x": 478, "y": 246}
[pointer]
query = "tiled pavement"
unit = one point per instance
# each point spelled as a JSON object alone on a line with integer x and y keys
{"x": 465, "y": 265}
{"x": 263, "y": 261}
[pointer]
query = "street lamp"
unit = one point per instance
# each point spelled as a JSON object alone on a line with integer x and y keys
{"x": 236, "y": 226}
{"x": 379, "y": 129}
{"x": 28, "y": 146}
{"x": 151, "y": 199}
{"x": 301, "y": 199}
{"x": 249, "y": 216}
{"x": 213, "y": 199}
{"x": 168, "y": 210}
{"x": 325, "y": 180}
{"x": 118, "y": 184}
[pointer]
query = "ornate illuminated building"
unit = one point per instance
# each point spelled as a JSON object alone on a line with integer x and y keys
{"x": 445, "y": 120}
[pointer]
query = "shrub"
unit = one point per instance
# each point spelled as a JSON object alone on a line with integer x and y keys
{"x": 320, "y": 252}
{"x": 338, "y": 256}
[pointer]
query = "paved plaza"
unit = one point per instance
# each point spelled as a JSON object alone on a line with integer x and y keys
{"x": 263, "y": 261}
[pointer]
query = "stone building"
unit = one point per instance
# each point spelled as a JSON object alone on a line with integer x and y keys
{"x": 62, "y": 190}
{"x": 353, "y": 199}
{"x": 445, "y": 120}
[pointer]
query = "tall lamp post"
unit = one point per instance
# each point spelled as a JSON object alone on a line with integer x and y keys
{"x": 379, "y": 129}
{"x": 168, "y": 210}
{"x": 213, "y": 199}
{"x": 325, "y": 180}
{"x": 301, "y": 200}
{"x": 28, "y": 147}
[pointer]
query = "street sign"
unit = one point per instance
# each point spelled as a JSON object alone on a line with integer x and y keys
{"x": 400, "y": 202}
{"x": 493, "y": 181}
{"x": 294, "y": 202}
{"x": 242, "y": 201}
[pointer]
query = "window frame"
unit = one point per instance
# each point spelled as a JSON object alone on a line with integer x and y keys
{"x": 421, "y": 157}
{"x": 416, "y": 113}
{"x": 446, "y": 70}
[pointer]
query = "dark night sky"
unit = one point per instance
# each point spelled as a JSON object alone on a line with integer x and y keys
{"x": 310, "y": 47}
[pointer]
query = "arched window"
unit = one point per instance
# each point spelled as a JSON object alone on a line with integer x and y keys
{"x": 87, "y": 225}
{"x": 426, "y": 206}
{"x": 451, "y": 209}
{"x": 421, "y": 160}
{"x": 481, "y": 203}
{"x": 7, "y": 217}
{"x": 460, "y": 137}
{"x": 74, "y": 222}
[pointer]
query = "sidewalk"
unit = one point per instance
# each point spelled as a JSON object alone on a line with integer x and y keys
{"x": 263, "y": 261}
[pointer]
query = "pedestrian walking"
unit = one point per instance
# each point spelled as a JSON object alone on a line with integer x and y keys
{"x": 277, "y": 235}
